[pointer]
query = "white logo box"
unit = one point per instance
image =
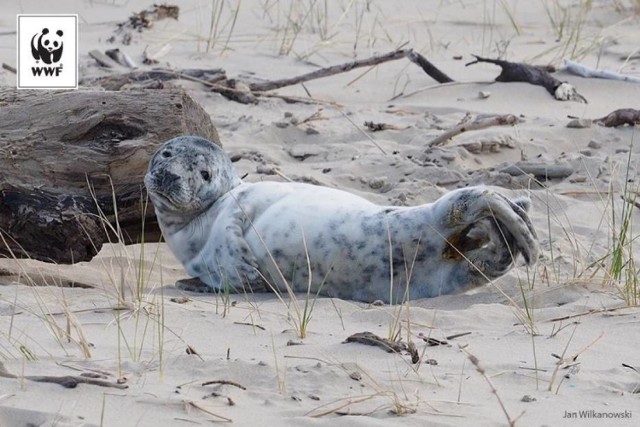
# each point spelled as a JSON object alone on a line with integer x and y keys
{"x": 47, "y": 51}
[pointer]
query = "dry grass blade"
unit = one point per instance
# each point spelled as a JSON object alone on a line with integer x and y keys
{"x": 474, "y": 360}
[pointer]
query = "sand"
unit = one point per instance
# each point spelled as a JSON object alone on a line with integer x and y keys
{"x": 163, "y": 344}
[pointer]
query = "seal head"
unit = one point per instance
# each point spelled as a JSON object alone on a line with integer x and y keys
{"x": 187, "y": 175}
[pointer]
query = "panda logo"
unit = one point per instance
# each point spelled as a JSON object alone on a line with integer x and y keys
{"x": 47, "y": 46}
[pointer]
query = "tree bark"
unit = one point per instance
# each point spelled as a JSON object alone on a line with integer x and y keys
{"x": 57, "y": 147}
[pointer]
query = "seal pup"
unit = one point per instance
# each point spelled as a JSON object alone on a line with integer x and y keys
{"x": 229, "y": 234}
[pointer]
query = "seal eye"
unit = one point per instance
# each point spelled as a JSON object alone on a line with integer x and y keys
{"x": 205, "y": 175}
{"x": 166, "y": 154}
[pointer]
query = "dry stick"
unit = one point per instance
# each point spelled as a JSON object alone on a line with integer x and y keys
{"x": 415, "y": 57}
{"x": 586, "y": 313}
{"x": 562, "y": 359}
{"x": 373, "y": 141}
{"x": 370, "y": 338}
{"x": 105, "y": 61}
{"x": 254, "y": 325}
{"x": 494, "y": 390}
{"x": 67, "y": 381}
{"x": 225, "y": 382}
{"x": 328, "y": 71}
{"x": 206, "y": 411}
{"x": 478, "y": 123}
{"x": 428, "y": 67}
{"x": 9, "y": 68}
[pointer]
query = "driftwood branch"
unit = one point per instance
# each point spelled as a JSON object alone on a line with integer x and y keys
{"x": 328, "y": 71}
{"x": 67, "y": 381}
{"x": 478, "y": 123}
{"x": 539, "y": 170}
{"x": 208, "y": 77}
{"x": 369, "y": 338}
{"x": 59, "y": 173}
{"x": 248, "y": 92}
{"x": 584, "y": 71}
{"x": 623, "y": 116}
{"x": 415, "y": 57}
{"x": 520, "y": 72}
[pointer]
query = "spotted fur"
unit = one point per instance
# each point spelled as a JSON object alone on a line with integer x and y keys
{"x": 269, "y": 235}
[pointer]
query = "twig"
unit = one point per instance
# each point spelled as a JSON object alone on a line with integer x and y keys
{"x": 224, "y": 382}
{"x": 362, "y": 132}
{"x": 428, "y": 67}
{"x": 562, "y": 359}
{"x": 511, "y": 422}
{"x": 67, "y": 381}
{"x": 104, "y": 60}
{"x": 434, "y": 341}
{"x": 9, "y": 68}
{"x": 250, "y": 324}
{"x": 631, "y": 201}
{"x": 206, "y": 411}
{"x": 594, "y": 310}
{"x": 478, "y": 123}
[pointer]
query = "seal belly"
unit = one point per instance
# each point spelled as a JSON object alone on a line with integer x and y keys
{"x": 345, "y": 247}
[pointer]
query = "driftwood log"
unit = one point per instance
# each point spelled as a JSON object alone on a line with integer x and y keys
{"x": 67, "y": 157}
{"x": 521, "y": 72}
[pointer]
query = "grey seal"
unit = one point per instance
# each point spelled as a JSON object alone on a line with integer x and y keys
{"x": 270, "y": 235}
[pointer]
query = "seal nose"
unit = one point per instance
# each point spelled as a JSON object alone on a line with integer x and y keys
{"x": 167, "y": 179}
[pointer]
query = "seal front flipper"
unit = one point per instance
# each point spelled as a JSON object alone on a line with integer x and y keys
{"x": 227, "y": 262}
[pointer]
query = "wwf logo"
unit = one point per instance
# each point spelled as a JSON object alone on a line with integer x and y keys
{"x": 47, "y": 46}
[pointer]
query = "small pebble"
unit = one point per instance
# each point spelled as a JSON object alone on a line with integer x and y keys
{"x": 432, "y": 362}
{"x": 580, "y": 123}
{"x": 355, "y": 375}
{"x": 594, "y": 144}
{"x": 483, "y": 94}
{"x": 622, "y": 150}
{"x": 281, "y": 125}
{"x": 527, "y": 399}
{"x": 448, "y": 157}
{"x": 311, "y": 131}
{"x": 586, "y": 152}
{"x": 377, "y": 183}
{"x": 288, "y": 114}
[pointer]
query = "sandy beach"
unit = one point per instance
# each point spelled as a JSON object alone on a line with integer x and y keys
{"x": 551, "y": 345}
